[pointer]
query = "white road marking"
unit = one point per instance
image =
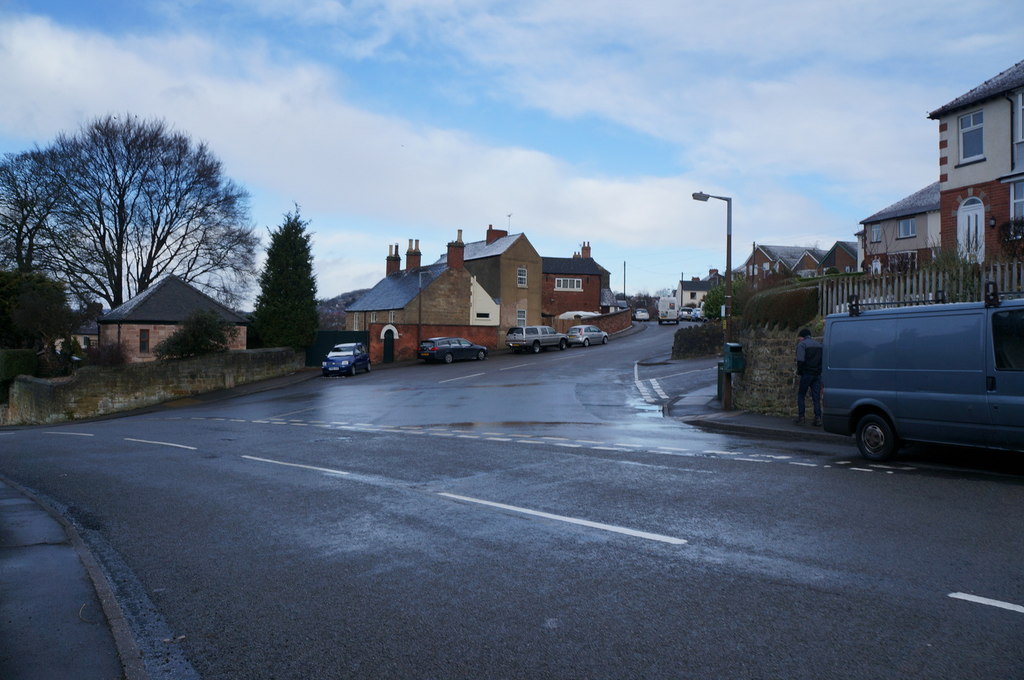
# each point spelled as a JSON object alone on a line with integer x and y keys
{"x": 992, "y": 603}
{"x": 67, "y": 434}
{"x": 471, "y": 375}
{"x": 297, "y": 465}
{"x": 571, "y": 520}
{"x": 509, "y": 368}
{"x": 146, "y": 441}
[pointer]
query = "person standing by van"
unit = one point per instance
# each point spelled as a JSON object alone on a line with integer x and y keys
{"x": 808, "y": 367}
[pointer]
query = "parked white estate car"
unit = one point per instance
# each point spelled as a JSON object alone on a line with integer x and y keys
{"x": 640, "y": 314}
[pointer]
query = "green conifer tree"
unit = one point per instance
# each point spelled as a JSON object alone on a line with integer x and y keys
{"x": 285, "y": 314}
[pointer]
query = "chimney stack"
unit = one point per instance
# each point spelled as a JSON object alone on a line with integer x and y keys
{"x": 456, "y": 252}
{"x": 413, "y": 255}
{"x": 394, "y": 262}
{"x": 586, "y": 249}
{"x": 494, "y": 234}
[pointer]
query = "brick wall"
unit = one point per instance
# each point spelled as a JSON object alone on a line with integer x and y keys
{"x": 996, "y": 197}
{"x": 128, "y": 334}
{"x": 94, "y": 391}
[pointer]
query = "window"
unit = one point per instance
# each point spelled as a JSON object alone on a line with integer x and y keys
{"x": 876, "y": 233}
{"x": 373, "y": 317}
{"x": 1008, "y": 338}
{"x": 521, "y": 277}
{"x": 907, "y": 228}
{"x": 483, "y": 315}
{"x": 391, "y": 316}
{"x": 568, "y": 284}
{"x": 144, "y": 341}
{"x": 86, "y": 342}
{"x": 1018, "y": 146}
{"x": 520, "y": 317}
{"x": 971, "y": 143}
{"x": 1017, "y": 200}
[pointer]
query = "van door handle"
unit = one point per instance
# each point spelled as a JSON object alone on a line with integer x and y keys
{"x": 990, "y": 383}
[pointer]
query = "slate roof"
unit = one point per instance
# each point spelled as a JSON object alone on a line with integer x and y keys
{"x": 790, "y": 255}
{"x": 477, "y": 250}
{"x": 696, "y": 286}
{"x": 922, "y": 201}
{"x": 168, "y": 301}
{"x": 572, "y": 265}
{"x": 608, "y": 298}
{"x": 1010, "y": 79}
{"x": 399, "y": 289}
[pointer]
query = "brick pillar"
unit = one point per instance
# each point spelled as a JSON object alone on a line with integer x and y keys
{"x": 394, "y": 262}
{"x": 456, "y": 252}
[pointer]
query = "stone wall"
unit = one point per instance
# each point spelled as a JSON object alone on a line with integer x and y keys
{"x": 94, "y": 391}
{"x": 768, "y": 385}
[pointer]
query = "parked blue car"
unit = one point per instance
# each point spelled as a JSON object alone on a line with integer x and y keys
{"x": 345, "y": 359}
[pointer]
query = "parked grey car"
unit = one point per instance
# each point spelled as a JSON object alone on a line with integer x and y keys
{"x": 534, "y": 338}
{"x": 586, "y": 336}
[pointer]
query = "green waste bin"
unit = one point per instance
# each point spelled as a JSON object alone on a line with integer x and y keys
{"x": 732, "y": 358}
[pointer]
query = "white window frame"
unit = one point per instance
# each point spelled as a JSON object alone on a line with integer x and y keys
{"x": 391, "y": 316}
{"x": 520, "y": 317}
{"x": 521, "y": 276}
{"x": 568, "y": 284}
{"x": 975, "y": 122}
{"x": 373, "y": 317}
{"x": 907, "y": 228}
{"x": 1017, "y": 200}
{"x": 876, "y": 233}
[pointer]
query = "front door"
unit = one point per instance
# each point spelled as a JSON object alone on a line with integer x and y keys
{"x": 970, "y": 234}
{"x": 389, "y": 346}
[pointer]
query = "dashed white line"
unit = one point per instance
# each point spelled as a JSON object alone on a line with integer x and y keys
{"x": 297, "y": 465}
{"x": 471, "y": 375}
{"x": 986, "y": 601}
{"x": 146, "y": 441}
{"x": 66, "y": 434}
{"x": 571, "y": 520}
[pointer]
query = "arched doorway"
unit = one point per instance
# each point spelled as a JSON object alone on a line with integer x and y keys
{"x": 389, "y": 346}
{"x": 970, "y": 234}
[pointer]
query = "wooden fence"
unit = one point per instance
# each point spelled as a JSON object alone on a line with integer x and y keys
{"x": 966, "y": 285}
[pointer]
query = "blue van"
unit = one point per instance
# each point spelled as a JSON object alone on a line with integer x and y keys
{"x": 944, "y": 373}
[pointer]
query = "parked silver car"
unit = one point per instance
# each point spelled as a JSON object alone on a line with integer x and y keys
{"x": 586, "y": 336}
{"x": 534, "y": 338}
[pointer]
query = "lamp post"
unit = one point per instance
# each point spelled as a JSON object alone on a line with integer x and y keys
{"x": 726, "y": 316}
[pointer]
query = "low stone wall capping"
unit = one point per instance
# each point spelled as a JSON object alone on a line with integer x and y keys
{"x": 95, "y": 391}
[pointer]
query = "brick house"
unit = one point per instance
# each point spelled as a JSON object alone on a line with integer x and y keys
{"x": 765, "y": 262}
{"x": 575, "y": 284}
{"x": 981, "y": 164}
{"x": 842, "y": 256}
{"x": 902, "y": 236}
{"x": 140, "y": 324}
{"x": 475, "y": 291}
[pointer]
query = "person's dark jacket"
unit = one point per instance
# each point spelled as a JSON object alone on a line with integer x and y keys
{"x": 808, "y": 357}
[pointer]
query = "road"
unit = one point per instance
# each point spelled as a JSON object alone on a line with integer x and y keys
{"x": 529, "y": 516}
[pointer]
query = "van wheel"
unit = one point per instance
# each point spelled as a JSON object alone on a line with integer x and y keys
{"x": 875, "y": 438}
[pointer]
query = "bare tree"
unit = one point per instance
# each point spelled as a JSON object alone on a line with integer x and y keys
{"x": 139, "y": 201}
{"x": 29, "y": 193}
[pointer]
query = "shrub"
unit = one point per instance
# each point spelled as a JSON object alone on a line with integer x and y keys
{"x": 787, "y": 307}
{"x": 698, "y": 341}
{"x": 15, "y": 362}
{"x": 106, "y": 355}
{"x": 202, "y": 332}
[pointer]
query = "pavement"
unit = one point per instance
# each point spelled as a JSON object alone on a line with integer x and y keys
{"x": 58, "y": 614}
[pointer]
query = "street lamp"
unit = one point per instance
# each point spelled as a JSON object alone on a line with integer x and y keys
{"x": 726, "y": 320}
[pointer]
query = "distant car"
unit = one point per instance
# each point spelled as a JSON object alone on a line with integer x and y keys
{"x": 641, "y": 315}
{"x": 448, "y": 350}
{"x": 586, "y": 336}
{"x": 534, "y": 338}
{"x": 345, "y": 359}
{"x": 685, "y": 314}
{"x": 697, "y": 315}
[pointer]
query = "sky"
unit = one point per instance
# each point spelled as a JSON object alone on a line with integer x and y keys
{"x": 570, "y": 121}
